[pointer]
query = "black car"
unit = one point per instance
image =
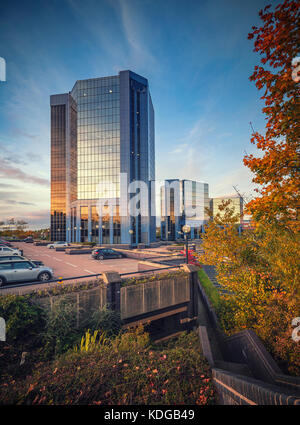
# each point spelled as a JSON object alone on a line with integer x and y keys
{"x": 105, "y": 253}
{"x": 28, "y": 240}
{"x": 18, "y": 257}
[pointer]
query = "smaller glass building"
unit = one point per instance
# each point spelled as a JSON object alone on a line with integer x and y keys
{"x": 183, "y": 202}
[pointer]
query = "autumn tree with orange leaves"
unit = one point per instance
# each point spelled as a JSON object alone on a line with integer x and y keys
{"x": 278, "y": 170}
{"x": 259, "y": 270}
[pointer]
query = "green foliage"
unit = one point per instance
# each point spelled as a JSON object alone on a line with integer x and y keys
{"x": 134, "y": 340}
{"x": 106, "y": 320}
{"x": 210, "y": 290}
{"x": 125, "y": 370}
{"x": 91, "y": 342}
{"x": 61, "y": 332}
{"x": 24, "y": 320}
{"x": 45, "y": 334}
{"x": 67, "y": 288}
{"x": 260, "y": 274}
{"x": 151, "y": 278}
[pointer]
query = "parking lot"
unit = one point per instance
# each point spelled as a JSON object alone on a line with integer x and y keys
{"x": 65, "y": 265}
{"x": 69, "y": 266}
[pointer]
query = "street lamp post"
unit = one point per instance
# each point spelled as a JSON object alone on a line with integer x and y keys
{"x": 186, "y": 230}
{"x": 103, "y": 227}
{"x": 131, "y": 235}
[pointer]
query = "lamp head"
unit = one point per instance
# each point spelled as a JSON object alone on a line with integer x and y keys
{"x": 186, "y": 228}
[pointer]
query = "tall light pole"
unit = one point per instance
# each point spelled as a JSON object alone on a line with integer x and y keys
{"x": 186, "y": 230}
{"x": 131, "y": 236}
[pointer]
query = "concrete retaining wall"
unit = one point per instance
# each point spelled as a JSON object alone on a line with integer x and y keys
{"x": 143, "y": 298}
{"x": 85, "y": 302}
{"x": 243, "y": 370}
{"x": 78, "y": 251}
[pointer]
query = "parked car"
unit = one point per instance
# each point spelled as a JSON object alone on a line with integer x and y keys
{"x": 28, "y": 240}
{"x": 5, "y": 242}
{"x": 5, "y": 250}
{"x": 58, "y": 244}
{"x": 23, "y": 271}
{"x": 105, "y": 253}
{"x": 19, "y": 257}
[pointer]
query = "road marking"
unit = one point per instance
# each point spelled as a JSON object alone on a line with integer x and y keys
{"x": 89, "y": 271}
{"x": 58, "y": 259}
{"x": 47, "y": 255}
{"x": 73, "y": 265}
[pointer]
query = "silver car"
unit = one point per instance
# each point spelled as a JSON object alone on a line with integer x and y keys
{"x": 5, "y": 250}
{"x": 23, "y": 271}
{"x": 58, "y": 244}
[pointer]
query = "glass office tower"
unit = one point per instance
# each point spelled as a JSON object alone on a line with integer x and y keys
{"x": 114, "y": 136}
{"x": 63, "y": 162}
{"x": 183, "y": 202}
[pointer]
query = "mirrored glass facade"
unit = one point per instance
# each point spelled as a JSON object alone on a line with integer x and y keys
{"x": 63, "y": 162}
{"x": 114, "y": 133}
{"x": 98, "y": 146}
{"x": 183, "y": 202}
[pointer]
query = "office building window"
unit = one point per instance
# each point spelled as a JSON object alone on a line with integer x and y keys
{"x": 84, "y": 215}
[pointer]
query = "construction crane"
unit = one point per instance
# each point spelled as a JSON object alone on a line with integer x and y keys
{"x": 241, "y": 196}
{"x": 243, "y": 200}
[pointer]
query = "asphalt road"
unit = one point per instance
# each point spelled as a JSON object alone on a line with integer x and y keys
{"x": 65, "y": 265}
{"x": 68, "y": 266}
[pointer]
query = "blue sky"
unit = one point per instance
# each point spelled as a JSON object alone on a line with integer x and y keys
{"x": 195, "y": 54}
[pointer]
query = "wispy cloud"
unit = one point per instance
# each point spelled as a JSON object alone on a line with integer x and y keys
{"x": 12, "y": 202}
{"x": 23, "y": 133}
{"x": 239, "y": 176}
{"x": 9, "y": 171}
{"x": 179, "y": 149}
{"x": 134, "y": 35}
{"x": 6, "y": 186}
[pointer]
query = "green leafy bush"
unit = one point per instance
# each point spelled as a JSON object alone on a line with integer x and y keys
{"x": 128, "y": 370}
{"x": 105, "y": 320}
{"x": 24, "y": 320}
{"x": 45, "y": 333}
{"x": 61, "y": 331}
{"x": 210, "y": 290}
{"x": 151, "y": 278}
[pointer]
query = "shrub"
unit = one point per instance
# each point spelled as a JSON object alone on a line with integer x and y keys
{"x": 126, "y": 371}
{"x": 260, "y": 276}
{"x": 90, "y": 342}
{"x": 105, "y": 320}
{"x": 24, "y": 324}
{"x": 24, "y": 320}
{"x": 61, "y": 332}
{"x": 209, "y": 288}
{"x": 150, "y": 278}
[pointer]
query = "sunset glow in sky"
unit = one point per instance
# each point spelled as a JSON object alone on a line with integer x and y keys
{"x": 195, "y": 54}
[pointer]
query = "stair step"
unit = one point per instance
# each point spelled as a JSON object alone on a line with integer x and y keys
{"x": 239, "y": 368}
